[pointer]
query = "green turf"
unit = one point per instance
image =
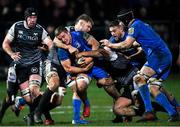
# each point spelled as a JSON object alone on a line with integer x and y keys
{"x": 101, "y": 113}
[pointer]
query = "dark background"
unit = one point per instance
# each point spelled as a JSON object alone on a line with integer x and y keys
{"x": 163, "y": 15}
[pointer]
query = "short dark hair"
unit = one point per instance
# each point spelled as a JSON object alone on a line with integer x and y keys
{"x": 85, "y": 17}
{"x": 113, "y": 23}
{"x": 30, "y": 12}
{"x": 59, "y": 30}
{"x": 116, "y": 23}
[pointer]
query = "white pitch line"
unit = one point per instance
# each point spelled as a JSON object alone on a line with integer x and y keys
{"x": 101, "y": 109}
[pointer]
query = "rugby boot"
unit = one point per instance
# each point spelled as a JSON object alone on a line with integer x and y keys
{"x": 174, "y": 118}
{"x": 29, "y": 120}
{"x": 79, "y": 121}
{"x": 48, "y": 122}
{"x": 37, "y": 118}
{"x": 148, "y": 116}
{"x": 117, "y": 119}
{"x": 128, "y": 119}
{"x": 86, "y": 111}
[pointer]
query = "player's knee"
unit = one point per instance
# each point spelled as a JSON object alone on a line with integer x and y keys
{"x": 154, "y": 86}
{"x": 139, "y": 80}
{"x": 118, "y": 110}
{"x": 106, "y": 81}
{"x": 53, "y": 81}
{"x": 81, "y": 86}
{"x": 56, "y": 99}
{"x": 34, "y": 90}
{"x": 82, "y": 83}
{"x": 154, "y": 90}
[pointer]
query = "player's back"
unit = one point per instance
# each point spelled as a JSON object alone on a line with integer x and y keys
{"x": 148, "y": 38}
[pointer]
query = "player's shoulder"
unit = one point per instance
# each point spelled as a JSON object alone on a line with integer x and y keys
{"x": 70, "y": 28}
{"x": 39, "y": 26}
{"x": 18, "y": 23}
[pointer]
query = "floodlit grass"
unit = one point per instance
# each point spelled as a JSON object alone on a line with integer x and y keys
{"x": 101, "y": 113}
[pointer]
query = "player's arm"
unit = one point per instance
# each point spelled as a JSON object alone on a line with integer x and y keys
{"x": 47, "y": 40}
{"x": 6, "y": 45}
{"x": 94, "y": 53}
{"x": 138, "y": 54}
{"x": 73, "y": 69}
{"x": 7, "y": 48}
{"x": 91, "y": 41}
{"x": 121, "y": 45}
{"x": 58, "y": 43}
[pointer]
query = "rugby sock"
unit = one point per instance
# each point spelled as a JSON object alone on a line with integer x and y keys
{"x": 76, "y": 108}
{"x": 47, "y": 115}
{"x": 32, "y": 106}
{"x": 3, "y": 109}
{"x": 44, "y": 100}
{"x": 87, "y": 103}
{"x": 174, "y": 102}
{"x": 163, "y": 101}
{"x": 158, "y": 107}
{"x": 145, "y": 94}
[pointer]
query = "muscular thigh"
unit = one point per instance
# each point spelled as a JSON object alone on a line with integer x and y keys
{"x": 52, "y": 67}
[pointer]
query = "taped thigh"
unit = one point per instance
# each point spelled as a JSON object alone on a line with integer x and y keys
{"x": 24, "y": 88}
{"x": 154, "y": 82}
{"x": 138, "y": 77}
{"x": 51, "y": 74}
{"x": 35, "y": 80}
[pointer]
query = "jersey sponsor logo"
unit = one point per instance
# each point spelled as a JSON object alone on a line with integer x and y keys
{"x": 78, "y": 45}
{"x": 27, "y": 37}
{"x": 20, "y": 32}
{"x": 131, "y": 30}
{"x": 34, "y": 70}
{"x": 35, "y": 34}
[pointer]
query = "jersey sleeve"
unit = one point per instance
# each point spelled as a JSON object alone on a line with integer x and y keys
{"x": 63, "y": 54}
{"x": 112, "y": 39}
{"x": 86, "y": 36}
{"x": 133, "y": 31}
{"x": 11, "y": 33}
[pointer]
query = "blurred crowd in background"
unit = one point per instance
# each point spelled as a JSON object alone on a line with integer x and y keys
{"x": 164, "y": 15}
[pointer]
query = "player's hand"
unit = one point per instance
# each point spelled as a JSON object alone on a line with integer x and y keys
{"x": 79, "y": 55}
{"x": 105, "y": 42}
{"x": 89, "y": 66}
{"x": 127, "y": 57}
{"x": 72, "y": 50}
{"x": 62, "y": 91}
{"x": 16, "y": 56}
{"x": 43, "y": 47}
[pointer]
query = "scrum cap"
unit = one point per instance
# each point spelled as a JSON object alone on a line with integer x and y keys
{"x": 125, "y": 16}
{"x": 30, "y": 12}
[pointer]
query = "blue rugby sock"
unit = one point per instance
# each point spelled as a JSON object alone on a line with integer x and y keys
{"x": 163, "y": 101}
{"x": 87, "y": 103}
{"x": 76, "y": 109}
{"x": 174, "y": 102}
{"x": 145, "y": 94}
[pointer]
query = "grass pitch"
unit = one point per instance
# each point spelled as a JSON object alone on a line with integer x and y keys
{"x": 101, "y": 108}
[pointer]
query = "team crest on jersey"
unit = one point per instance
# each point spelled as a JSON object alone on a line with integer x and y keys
{"x": 131, "y": 30}
{"x": 35, "y": 34}
{"x": 34, "y": 70}
{"x": 78, "y": 45}
{"x": 20, "y": 32}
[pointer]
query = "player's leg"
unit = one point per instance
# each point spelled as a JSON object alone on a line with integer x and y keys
{"x": 12, "y": 89}
{"x": 9, "y": 99}
{"x": 171, "y": 98}
{"x": 141, "y": 80}
{"x": 53, "y": 81}
{"x": 162, "y": 99}
{"x": 79, "y": 87}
